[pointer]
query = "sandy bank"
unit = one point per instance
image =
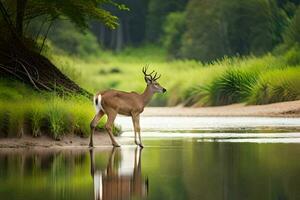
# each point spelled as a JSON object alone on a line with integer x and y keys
{"x": 101, "y": 139}
{"x": 283, "y": 109}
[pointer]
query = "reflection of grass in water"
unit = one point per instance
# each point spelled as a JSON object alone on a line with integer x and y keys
{"x": 23, "y": 111}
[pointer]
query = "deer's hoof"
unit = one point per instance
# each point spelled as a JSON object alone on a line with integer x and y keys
{"x": 91, "y": 146}
{"x": 141, "y": 145}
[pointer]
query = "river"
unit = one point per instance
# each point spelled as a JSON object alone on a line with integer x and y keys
{"x": 184, "y": 158}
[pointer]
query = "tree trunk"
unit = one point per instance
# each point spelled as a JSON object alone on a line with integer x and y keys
{"x": 21, "y": 5}
{"x": 119, "y": 38}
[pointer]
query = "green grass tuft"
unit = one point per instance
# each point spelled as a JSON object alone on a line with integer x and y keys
{"x": 276, "y": 86}
{"x": 231, "y": 87}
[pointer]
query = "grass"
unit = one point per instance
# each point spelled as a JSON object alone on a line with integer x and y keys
{"x": 24, "y": 111}
{"x": 189, "y": 82}
{"x": 232, "y": 86}
{"x": 276, "y": 86}
{"x": 252, "y": 80}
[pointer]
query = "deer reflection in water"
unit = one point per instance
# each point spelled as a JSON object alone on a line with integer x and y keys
{"x": 125, "y": 182}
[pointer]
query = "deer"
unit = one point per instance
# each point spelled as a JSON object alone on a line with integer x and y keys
{"x": 112, "y": 102}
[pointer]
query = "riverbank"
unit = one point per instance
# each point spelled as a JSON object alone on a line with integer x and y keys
{"x": 68, "y": 141}
{"x": 101, "y": 139}
{"x": 282, "y": 109}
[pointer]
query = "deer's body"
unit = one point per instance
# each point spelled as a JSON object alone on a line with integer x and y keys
{"x": 113, "y": 102}
{"x": 125, "y": 103}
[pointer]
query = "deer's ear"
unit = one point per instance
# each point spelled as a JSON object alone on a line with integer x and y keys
{"x": 147, "y": 80}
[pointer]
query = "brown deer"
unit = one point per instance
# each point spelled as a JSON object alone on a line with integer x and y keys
{"x": 112, "y": 102}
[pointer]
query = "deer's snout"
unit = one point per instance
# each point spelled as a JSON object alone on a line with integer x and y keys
{"x": 164, "y": 90}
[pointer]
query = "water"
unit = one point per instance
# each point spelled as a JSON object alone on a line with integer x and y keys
{"x": 200, "y": 166}
{"x": 208, "y": 123}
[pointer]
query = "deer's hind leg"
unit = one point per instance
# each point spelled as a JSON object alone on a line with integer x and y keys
{"x": 93, "y": 126}
{"x": 111, "y": 116}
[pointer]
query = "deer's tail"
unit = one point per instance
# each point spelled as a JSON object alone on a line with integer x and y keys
{"x": 97, "y": 103}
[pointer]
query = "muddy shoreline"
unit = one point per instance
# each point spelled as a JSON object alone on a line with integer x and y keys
{"x": 101, "y": 139}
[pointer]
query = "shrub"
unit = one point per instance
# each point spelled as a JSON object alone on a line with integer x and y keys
{"x": 276, "y": 86}
{"x": 231, "y": 87}
{"x": 292, "y": 56}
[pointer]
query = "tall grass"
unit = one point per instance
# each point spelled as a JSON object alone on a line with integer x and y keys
{"x": 276, "y": 86}
{"x": 230, "y": 87}
{"x": 189, "y": 82}
{"x": 23, "y": 111}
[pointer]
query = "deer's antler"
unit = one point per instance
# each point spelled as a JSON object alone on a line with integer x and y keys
{"x": 149, "y": 75}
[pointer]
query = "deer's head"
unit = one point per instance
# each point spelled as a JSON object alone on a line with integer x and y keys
{"x": 151, "y": 80}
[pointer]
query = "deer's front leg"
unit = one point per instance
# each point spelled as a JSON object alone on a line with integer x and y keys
{"x": 135, "y": 129}
{"x": 138, "y": 128}
{"x": 93, "y": 125}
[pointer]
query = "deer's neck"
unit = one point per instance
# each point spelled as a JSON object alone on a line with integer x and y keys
{"x": 147, "y": 95}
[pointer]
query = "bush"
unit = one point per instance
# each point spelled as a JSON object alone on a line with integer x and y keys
{"x": 231, "y": 87}
{"x": 292, "y": 56}
{"x": 276, "y": 86}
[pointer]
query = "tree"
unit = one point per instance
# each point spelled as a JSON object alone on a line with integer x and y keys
{"x": 131, "y": 29}
{"x": 228, "y": 27}
{"x": 203, "y": 38}
{"x": 174, "y": 27}
{"x": 19, "y": 56}
{"x": 157, "y": 12}
{"x": 292, "y": 33}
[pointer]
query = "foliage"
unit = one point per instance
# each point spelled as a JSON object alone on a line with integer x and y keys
{"x": 292, "y": 56}
{"x": 276, "y": 86}
{"x": 31, "y": 20}
{"x": 157, "y": 13}
{"x": 202, "y": 39}
{"x": 292, "y": 33}
{"x": 65, "y": 37}
{"x": 226, "y": 81}
{"x": 231, "y": 27}
{"x": 173, "y": 30}
{"x": 131, "y": 29}
{"x": 24, "y": 111}
{"x": 78, "y": 11}
{"x": 224, "y": 28}
{"x": 233, "y": 86}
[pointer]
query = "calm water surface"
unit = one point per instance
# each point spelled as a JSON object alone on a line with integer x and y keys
{"x": 167, "y": 168}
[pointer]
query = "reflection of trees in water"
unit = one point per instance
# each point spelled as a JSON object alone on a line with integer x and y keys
{"x": 124, "y": 182}
{"x": 242, "y": 171}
